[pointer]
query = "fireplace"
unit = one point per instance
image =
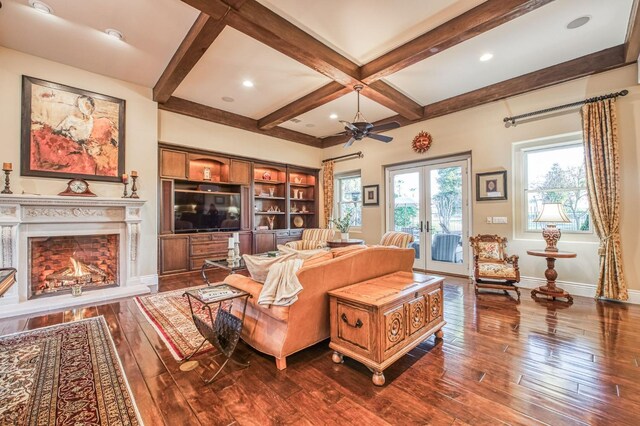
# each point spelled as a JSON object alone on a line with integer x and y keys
{"x": 57, "y": 263}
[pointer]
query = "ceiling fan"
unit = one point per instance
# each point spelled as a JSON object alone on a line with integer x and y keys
{"x": 360, "y": 128}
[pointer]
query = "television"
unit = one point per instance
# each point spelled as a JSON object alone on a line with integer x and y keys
{"x": 203, "y": 211}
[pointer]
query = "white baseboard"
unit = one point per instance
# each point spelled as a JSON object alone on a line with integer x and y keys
{"x": 575, "y": 289}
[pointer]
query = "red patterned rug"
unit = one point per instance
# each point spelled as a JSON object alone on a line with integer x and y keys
{"x": 168, "y": 312}
{"x": 67, "y": 374}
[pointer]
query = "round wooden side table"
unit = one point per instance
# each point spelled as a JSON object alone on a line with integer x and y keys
{"x": 550, "y": 290}
{"x": 344, "y": 243}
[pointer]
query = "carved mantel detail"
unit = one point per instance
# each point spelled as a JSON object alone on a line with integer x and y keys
{"x": 78, "y": 212}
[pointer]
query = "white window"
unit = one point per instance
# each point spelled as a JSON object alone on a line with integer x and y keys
{"x": 556, "y": 174}
{"x": 349, "y": 197}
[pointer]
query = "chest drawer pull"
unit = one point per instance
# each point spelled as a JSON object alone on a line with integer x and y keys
{"x": 358, "y": 323}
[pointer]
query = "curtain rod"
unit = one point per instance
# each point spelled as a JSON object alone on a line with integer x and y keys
{"x": 511, "y": 121}
{"x": 358, "y": 154}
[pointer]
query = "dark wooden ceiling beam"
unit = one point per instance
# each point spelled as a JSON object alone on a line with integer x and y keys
{"x": 311, "y": 101}
{"x": 476, "y": 21}
{"x": 203, "y": 112}
{"x": 594, "y": 63}
{"x": 201, "y": 35}
{"x": 632, "y": 41}
{"x": 269, "y": 28}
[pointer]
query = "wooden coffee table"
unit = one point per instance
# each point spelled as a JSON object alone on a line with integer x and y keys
{"x": 378, "y": 321}
{"x": 344, "y": 243}
{"x": 551, "y": 290}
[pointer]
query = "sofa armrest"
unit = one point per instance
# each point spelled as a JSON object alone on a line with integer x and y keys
{"x": 297, "y": 245}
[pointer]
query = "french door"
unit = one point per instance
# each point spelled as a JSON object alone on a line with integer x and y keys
{"x": 431, "y": 201}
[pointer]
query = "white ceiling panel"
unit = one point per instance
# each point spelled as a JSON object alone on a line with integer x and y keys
{"x": 74, "y": 34}
{"x": 362, "y": 30}
{"x": 234, "y": 57}
{"x": 317, "y": 122}
{"x": 531, "y": 42}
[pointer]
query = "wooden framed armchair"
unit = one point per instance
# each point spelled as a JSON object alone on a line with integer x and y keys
{"x": 492, "y": 268}
{"x": 312, "y": 239}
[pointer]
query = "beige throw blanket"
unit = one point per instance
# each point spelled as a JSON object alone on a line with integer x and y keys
{"x": 282, "y": 286}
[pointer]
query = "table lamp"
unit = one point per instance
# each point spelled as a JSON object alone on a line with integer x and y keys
{"x": 551, "y": 214}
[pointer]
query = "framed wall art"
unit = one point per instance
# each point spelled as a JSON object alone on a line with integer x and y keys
{"x": 69, "y": 132}
{"x": 491, "y": 186}
{"x": 371, "y": 195}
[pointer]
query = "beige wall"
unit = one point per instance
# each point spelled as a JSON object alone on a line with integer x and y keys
{"x": 182, "y": 130}
{"x": 141, "y": 135}
{"x": 482, "y": 131}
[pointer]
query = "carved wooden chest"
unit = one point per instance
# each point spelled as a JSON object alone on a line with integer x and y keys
{"x": 379, "y": 320}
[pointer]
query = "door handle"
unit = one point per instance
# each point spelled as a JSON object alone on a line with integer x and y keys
{"x": 421, "y": 226}
{"x": 428, "y": 226}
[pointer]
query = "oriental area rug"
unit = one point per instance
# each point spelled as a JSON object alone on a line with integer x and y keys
{"x": 168, "y": 312}
{"x": 67, "y": 374}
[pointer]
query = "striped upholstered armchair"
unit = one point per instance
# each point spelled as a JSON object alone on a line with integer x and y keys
{"x": 396, "y": 239}
{"x": 313, "y": 239}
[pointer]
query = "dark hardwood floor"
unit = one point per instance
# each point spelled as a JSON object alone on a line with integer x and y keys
{"x": 499, "y": 362}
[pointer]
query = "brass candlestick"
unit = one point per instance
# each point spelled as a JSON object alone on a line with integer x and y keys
{"x": 125, "y": 194}
{"x": 134, "y": 188}
{"x": 6, "y": 189}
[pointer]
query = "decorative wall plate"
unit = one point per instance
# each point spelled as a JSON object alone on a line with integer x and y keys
{"x": 298, "y": 221}
{"x": 422, "y": 142}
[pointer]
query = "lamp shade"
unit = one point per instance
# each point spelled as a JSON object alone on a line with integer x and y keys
{"x": 552, "y": 212}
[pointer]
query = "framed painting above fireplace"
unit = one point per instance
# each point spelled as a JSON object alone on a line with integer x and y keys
{"x": 69, "y": 132}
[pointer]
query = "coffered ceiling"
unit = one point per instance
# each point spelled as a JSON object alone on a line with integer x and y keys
{"x": 417, "y": 59}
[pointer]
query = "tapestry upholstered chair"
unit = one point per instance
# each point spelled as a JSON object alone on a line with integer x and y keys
{"x": 313, "y": 238}
{"x": 492, "y": 268}
{"x": 396, "y": 239}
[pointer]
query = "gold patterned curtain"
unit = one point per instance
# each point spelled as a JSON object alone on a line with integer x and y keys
{"x": 327, "y": 185}
{"x": 601, "y": 151}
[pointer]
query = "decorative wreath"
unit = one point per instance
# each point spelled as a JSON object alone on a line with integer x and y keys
{"x": 422, "y": 142}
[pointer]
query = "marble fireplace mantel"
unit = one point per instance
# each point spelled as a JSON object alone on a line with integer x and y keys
{"x": 26, "y": 216}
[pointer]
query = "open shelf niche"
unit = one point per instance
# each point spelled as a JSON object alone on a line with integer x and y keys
{"x": 303, "y": 201}
{"x": 269, "y": 194}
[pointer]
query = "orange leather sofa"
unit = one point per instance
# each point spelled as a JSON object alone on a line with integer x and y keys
{"x": 283, "y": 330}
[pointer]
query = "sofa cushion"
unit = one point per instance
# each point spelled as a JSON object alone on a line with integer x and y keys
{"x": 258, "y": 266}
{"x": 317, "y": 259}
{"x": 300, "y": 254}
{"x": 341, "y": 251}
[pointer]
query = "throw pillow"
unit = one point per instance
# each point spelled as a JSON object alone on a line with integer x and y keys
{"x": 258, "y": 266}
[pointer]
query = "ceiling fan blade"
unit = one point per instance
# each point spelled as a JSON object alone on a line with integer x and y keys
{"x": 385, "y": 126}
{"x": 349, "y": 143}
{"x": 349, "y": 126}
{"x": 381, "y": 138}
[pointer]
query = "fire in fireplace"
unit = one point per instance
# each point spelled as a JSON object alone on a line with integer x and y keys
{"x": 58, "y": 263}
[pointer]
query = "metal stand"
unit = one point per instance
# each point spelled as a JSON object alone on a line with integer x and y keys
{"x": 223, "y": 332}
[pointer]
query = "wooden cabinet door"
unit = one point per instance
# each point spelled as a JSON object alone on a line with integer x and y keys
{"x": 166, "y": 206}
{"x": 174, "y": 254}
{"x": 240, "y": 172}
{"x": 264, "y": 241}
{"x": 246, "y": 243}
{"x": 173, "y": 164}
{"x": 395, "y": 329}
{"x": 435, "y": 304}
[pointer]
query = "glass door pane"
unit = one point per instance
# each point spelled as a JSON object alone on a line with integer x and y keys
{"x": 447, "y": 218}
{"x": 406, "y": 212}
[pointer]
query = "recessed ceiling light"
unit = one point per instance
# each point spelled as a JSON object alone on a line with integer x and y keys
{"x": 228, "y": 99}
{"x": 333, "y": 116}
{"x": 247, "y": 83}
{"x": 578, "y": 22}
{"x": 295, "y": 120}
{"x": 114, "y": 33}
{"x": 41, "y": 7}
{"x": 486, "y": 57}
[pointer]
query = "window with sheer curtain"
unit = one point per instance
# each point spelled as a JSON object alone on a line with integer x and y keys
{"x": 349, "y": 197}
